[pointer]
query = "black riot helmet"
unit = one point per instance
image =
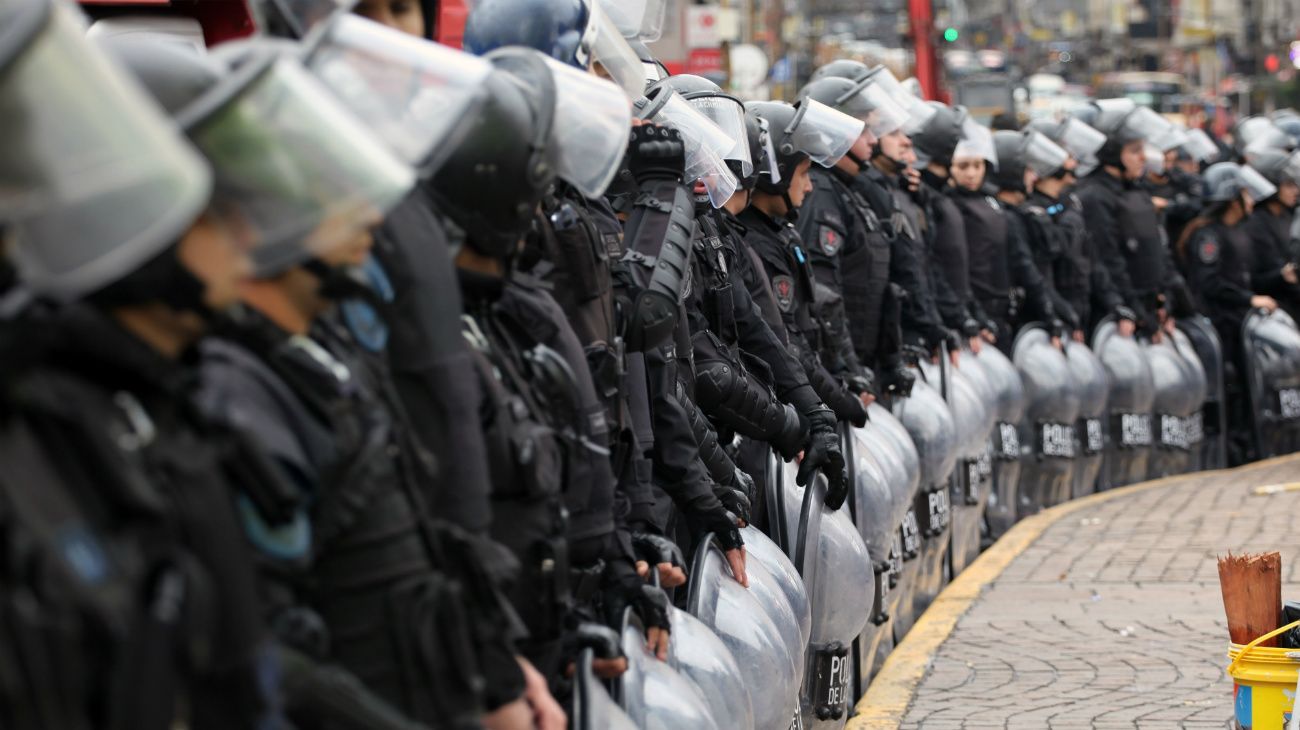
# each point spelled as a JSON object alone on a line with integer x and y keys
{"x": 493, "y": 181}
{"x": 937, "y": 139}
{"x": 1227, "y": 181}
{"x": 1019, "y": 151}
{"x": 1277, "y": 166}
{"x": 777, "y": 116}
{"x": 863, "y": 99}
{"x": 1123, "y": 122}
{"x": 1254, "y": 134}
{"x": 844, "y": 68}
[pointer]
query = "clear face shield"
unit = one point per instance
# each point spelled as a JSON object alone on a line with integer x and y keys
{"x": 976, "y": 143}
{"x": 640, "y": 19}
{"x": 706, "y": 145}
{"x": 612, "y": 57}
{"x": 303, "y": 16}
{"x": 1079, "y": 139}
{"x": 296, "y": 173}
{"x": 418, "y": 96}
{"x": 89, "y": 159}
{"x": 918, "y": 112}
{"x": 1255, "y": 186}
{"x": 871, "y": 103}
{"x": 1291, "y": 170}
{"x": 592, "y": 121}
{"x": 728, "y": 114}
{"x": 822, "y": 133}
{"x": 1043, "y": 156}
{"x": 1145, "y": 124}
{"x": 1155, "y": 159}
{"x": 1200, "y": 147}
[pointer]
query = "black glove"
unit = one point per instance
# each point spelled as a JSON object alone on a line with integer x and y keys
{"x": 898, "y": 380}
{"x": 718, "y": 522}
{"x": 603, "y": 641}
{"x": 953, "y": 338}
{"x": 862, "y": 383}
{"x": 1124, "y": 312}
{"x": 823, "y": 452}
{"x": 992, "y": 327}
{"x": 971, "y": 327}
{"x": 656, "y": 153}
{"x": 736, "y": 502}
{"x": 649, "y": 602}
{"x": 656, "y": 549}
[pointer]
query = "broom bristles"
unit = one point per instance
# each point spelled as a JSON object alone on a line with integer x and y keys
{"x": 1252, "y": 595}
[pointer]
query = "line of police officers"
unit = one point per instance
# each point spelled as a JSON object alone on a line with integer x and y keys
{"x": 349, "y": 380}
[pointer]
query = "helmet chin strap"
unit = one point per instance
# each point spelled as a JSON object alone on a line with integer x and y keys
{"x": 791, "y": 212}
{"x": 861, "y": 163}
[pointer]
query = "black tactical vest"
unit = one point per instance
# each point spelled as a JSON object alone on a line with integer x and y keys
{"x": 986, "y": 240}
{"x": 1142, "y": 241}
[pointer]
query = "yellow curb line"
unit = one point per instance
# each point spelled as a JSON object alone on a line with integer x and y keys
{"x": 890, "y": 694}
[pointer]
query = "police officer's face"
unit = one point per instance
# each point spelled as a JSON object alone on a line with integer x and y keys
{"x": 968, "y": 172}
{"x": 404, "y": 15}
{"x": 892, "y": 145}
{"x": 801, "y": 183}
{"x": 1133, "y": 158}
{"x": 1288, "y": 193}
{"x": 211, "y": 254}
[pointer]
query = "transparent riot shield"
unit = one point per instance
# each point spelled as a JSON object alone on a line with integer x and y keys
{"x": 929, "y": 421}
{"x": 656, "y": 696}
{"x": 1272, "y": 373}
{"x": 1212, "y": 421}
{"x": 878, "y": 483}
{"x": 1010, "y": 401}
{"x": 1176, "y": 398}
{"x": 1047, "y": 427}
{"x": 1200, "y": 387}
{"x": 1089, "y": 377}
{"x": 971, "y": 398}
{"x": 593, "y": 708}
{"x": 697, "y": 653}
{"x": 784, "y": 578}
{"x": 1128, "y": 407}
{"x": 767, "y": 650}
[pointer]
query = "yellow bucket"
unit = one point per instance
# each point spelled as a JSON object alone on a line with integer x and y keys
{"x": 1264, "y": 682}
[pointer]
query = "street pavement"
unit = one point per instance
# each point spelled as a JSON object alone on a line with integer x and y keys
{"x": 1113, "y": 617}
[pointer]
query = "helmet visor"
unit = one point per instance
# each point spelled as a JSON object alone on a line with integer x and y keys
{"x": 1200, "y": 146}
{"x": 640, "y": 19}
{"x": 1256, "y": 185}
{"x": 1155, "y": 159}
{"x": 1171, "y": 139}
{"x": 613, "y": 58}
{"x": 1079, "y": 139}
{"x": 1145, "y": 124}
{"x": 415, "y": 94}
{"x": 976, "y": 142}
{"x": 918, "y": 112}
{"x": 1291, "y": 168}
{"x": 870, "y": 102}
{"x": 729, "y": 116}
{"x": 89, "y": 159}
{"x": 592, "y": 119}
{"x": 706, "y": 147}
{"x": 822, "y": 133}
{"x": 1042, "y": 155}
{"x": 296, "y": 173}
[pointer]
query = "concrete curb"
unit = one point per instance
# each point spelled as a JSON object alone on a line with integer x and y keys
{"x": 890, "y": 694}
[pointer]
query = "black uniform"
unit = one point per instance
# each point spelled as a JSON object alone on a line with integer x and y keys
{"x": 1047, "y": 245}
{"x": 127, "y": 593}
{"x": 1081, "y": 280}
{"x": 950, "y": 258}
{"x": 1184, "y": 192}
{"x": 1270, "y": 237}
{"x": 1000, "y": 263}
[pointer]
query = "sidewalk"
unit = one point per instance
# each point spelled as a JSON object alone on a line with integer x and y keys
{"x": 1101, "y": 614}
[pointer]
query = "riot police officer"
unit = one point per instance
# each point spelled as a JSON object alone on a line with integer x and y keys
{"x": 1274, "y": 270}
{"x": 1218, "y": 251}
{"x": 1000, "y": 258}
{"x": 127, "y": 594}
{"x": 1123, "y": 219}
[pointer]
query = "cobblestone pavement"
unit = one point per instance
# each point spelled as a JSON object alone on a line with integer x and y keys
{"x": 1113, "y": 617}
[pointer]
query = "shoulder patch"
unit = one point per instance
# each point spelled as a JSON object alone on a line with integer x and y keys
{"x": 829, "y": 239}
{"x": 1208, "y": 252}
{"x": 783, "y": 288}
{"x": 993, "y": 202}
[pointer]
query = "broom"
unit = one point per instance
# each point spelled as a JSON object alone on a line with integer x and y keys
{"x": 1252, "y": 595}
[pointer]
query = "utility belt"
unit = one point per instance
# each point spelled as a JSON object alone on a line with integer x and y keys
{"x": 584, "y": 581}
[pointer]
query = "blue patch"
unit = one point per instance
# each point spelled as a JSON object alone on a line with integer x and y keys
{"x": 83, "y": 553}
{"x": 281, "y": 542}
{"x": 798, "y": 252}
{"x": 366, "y": 324}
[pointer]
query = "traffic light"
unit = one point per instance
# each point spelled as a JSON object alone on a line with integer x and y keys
{"x": 950, "y": 35}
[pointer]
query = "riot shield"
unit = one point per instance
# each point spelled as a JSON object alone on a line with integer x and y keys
{"x": 1089, "y": 377}
{"x": 784, "y": 578}
{"x": 1009, "y": 396}
{"x": 697, "y": 653}
{"x": 904, "y": 555}
{"x": 1200, "y": 386}
{"x": 928, "y": 420}
{"x": 593, "y": 708}
{"x": 837, "y": 571}
{"x": 879, "y": 483}
{"x": 1212, "y": 421}
{"x": 656, "y": 696}
{"x": 970, "y": 397}
{"x": 1128, "y": 406}
{"x": 1176, "y": 398}
{"x": 1047, "y": 427}
{"x": 767, "y": 650}
{"x": 1271, "y": 355}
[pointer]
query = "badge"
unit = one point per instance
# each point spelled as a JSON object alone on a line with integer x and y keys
{"x": 830, "y": 240}
{"x": 783, "y": 287}
{"x": 1132, "y": 245}
{"x": 1208, "y": 252}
